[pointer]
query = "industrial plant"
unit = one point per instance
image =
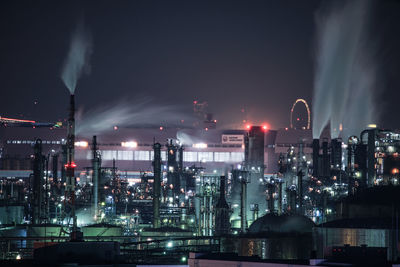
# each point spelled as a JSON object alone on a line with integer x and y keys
{"x": 174, "y": 180}
{"x": 150, "y": 195}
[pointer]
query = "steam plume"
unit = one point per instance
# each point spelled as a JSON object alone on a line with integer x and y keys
{"x": 133, "y": 114}
{"x": 77, "y": 60}
{"x": 345, "y": 75}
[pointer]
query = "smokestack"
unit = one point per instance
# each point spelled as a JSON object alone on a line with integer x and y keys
{"x": 315, "y": 148}
{"x": 38, "y": 165}
{"x": 95, "y": 177}
{"x": 156, "y": 185}
{"x": 70, "y": 167}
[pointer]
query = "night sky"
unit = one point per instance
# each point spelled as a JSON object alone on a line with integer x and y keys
{"x": 251, "y": 55}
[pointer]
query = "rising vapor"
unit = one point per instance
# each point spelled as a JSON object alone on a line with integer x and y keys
{"x": 141, "y": 113}
{"x": 77, "y": 60}
{"x": 345, "y": 74}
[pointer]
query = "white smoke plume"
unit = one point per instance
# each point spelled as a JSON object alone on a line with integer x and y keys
{"x": 77, "y": 61}
{"x": 345, "y": 73}
{"x": 137, "y": 113}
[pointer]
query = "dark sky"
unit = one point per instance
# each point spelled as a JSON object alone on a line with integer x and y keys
{"x": 256, "y": 55}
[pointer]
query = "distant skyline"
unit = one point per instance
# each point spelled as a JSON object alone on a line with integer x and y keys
{"x": 253, "y": 55}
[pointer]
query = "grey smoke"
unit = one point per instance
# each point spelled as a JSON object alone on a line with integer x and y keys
{"x": 345, "y": 72}
{"x": 137, "y": 113}
{"x": 187, "y": 139}
{"x": 77, "y": 61}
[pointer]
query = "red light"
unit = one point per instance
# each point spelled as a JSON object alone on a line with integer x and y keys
{"x": 72, "y": 165}
{"x": 161, "y": 128}
{"x": 248, "y": 126}
{"x": 298, "y": 119}
{"x": 265, "y": 127}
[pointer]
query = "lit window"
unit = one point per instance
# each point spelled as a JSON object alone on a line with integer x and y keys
{"x": 125, "y": 155}
{"x": 142, "y": 155}
{"x": 189, "y": 156}
{"x": 221, "y": 156}
{"x": 205, "y": 156}
{"x": 237, "y": 156}
{"x": 164, "y": 155}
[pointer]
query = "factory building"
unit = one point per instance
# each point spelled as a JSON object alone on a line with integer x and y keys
{"x": 131, "y": 149}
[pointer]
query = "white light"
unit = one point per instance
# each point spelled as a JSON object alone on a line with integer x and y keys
{"x": 169, "y": 244}
{"x": 81, "y": 144}
{"x": 129, "y": 144}
{"x": 200, "y": 145}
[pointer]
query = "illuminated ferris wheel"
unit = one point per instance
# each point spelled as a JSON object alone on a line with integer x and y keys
{"x": 308, "y": 113}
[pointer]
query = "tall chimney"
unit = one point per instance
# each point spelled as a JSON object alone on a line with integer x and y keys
{"x": 95, "y": 177}
{"x": 156, "y": 185}
{"x": 70, "y": 167}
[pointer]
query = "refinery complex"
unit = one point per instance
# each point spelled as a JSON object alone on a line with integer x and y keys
{"x": 205, "y": 133}
{"x": 155, "y": 194}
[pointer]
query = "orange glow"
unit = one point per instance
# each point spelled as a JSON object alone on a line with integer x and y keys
{"x": 15, "y": 120}
{"x": 395, "y": 171}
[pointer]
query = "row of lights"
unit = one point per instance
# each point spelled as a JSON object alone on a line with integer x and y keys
{"x": 264, "y": 127}
{"x": 133, "y": 144}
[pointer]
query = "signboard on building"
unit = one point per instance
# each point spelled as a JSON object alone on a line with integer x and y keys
{"x": 233, "y": 139}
